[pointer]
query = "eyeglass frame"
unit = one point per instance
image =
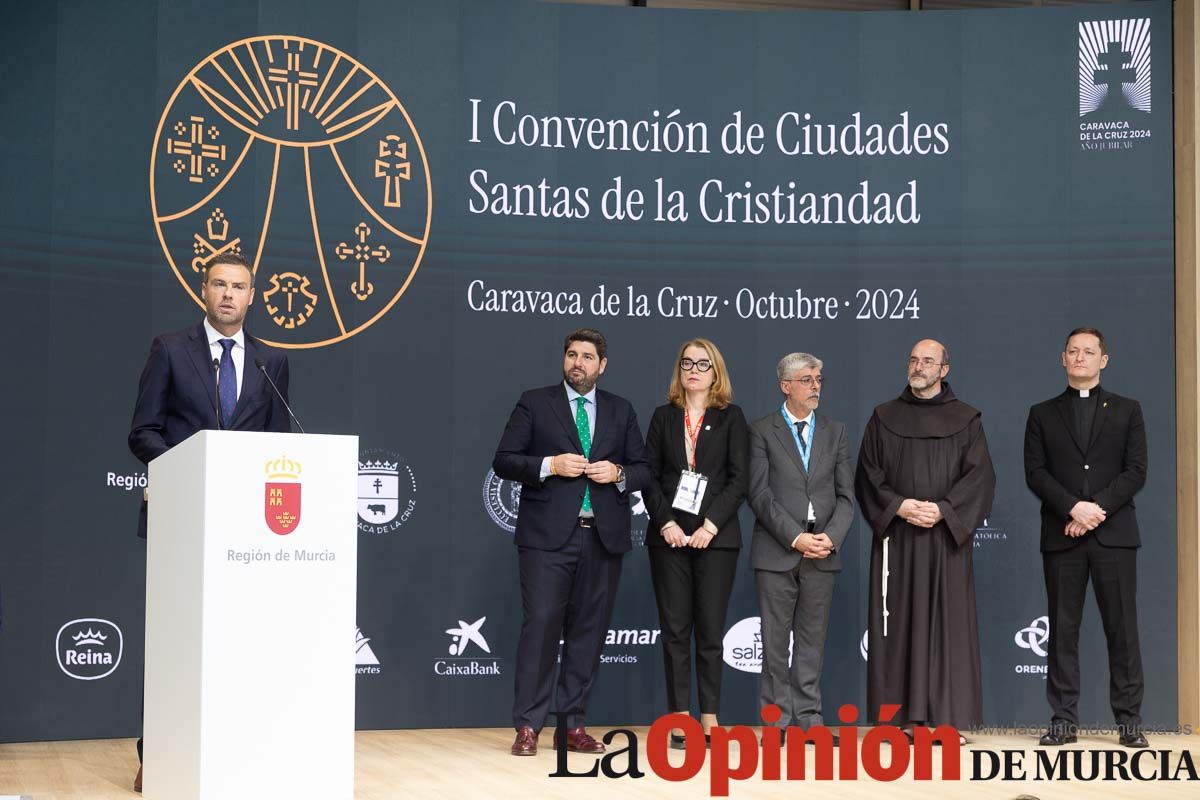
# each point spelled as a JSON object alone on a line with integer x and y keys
{"x": 812, "y": 380}
{"x": 913, "y": 361}
{"x": 695, "y": 363}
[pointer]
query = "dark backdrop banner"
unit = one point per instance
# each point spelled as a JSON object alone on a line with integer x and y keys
{"x": 432, "y": 194}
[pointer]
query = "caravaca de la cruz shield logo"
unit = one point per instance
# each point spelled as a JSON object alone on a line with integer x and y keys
{"x": 294, "y": 155}
{"x": 281, "y": 502}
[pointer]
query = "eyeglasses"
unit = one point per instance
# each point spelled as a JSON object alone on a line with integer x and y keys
{"x": 808, "y": 381}
{"x": 703, "y": 365}
{"x": 924, "y": 362}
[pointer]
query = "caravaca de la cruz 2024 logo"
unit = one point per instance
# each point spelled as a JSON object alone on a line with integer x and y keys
{"x": 296, "y": 156}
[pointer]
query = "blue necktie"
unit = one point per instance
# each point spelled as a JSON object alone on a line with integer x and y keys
{"x": 227, "y": 384}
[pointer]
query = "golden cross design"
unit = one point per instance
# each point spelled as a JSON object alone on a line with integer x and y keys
{"x": 193, "y": 150}
{"x": 363, "y": 253}
{"x": 291, "y": 78}
{"x": 392, "y": 172}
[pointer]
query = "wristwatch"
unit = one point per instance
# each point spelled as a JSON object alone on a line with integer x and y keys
{"x": 620, "y": 474}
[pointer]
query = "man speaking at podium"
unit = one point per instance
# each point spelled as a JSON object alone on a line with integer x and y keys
{"x": 210, "y": 376}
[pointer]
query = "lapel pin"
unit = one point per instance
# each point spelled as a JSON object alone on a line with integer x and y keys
{"x": 1105, "y": 404}
{"x": 708, "y": 427}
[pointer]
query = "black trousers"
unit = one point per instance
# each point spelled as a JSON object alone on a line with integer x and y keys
{"x": 1113, "y": 572}
{"x": 569, "y": 594}
{"x": 692, "y": 588}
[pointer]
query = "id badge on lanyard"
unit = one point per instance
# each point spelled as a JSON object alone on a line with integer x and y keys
{"x": 690, "y": 493}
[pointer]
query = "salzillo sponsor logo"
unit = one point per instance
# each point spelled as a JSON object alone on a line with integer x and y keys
{"x": 743, "y": 645}
{"x": 1033, "y": 637}
{"x": 89, "y": 649}
{"x": 462, "y": 638}
{"x": 365, "y": 660}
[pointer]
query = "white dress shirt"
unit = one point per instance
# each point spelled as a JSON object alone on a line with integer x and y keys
{"x": 238, "y": 353}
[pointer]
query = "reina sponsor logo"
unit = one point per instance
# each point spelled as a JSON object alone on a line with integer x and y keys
{"x": 365, "y": 660}
{"x": 89, "y": 649}
{"x": 463, "y": 638}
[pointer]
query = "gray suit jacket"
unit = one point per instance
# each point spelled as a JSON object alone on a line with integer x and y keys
{"x": 781, "y": 489}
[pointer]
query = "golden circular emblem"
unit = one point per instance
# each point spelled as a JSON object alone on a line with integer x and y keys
{"x": 292, "y": 154}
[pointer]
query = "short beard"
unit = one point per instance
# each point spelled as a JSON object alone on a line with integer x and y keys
{"x": 583, "y": 386}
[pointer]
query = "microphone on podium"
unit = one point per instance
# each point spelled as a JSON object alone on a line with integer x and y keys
{"x": 258, "y": 362}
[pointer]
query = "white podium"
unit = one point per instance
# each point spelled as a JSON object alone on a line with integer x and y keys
{"x": 250, "y": 617}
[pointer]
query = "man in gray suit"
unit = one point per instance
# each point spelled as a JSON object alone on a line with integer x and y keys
{"x": 802, "y": 493}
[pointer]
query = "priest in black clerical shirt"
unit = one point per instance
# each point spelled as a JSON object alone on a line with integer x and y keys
{"x": 1085, "y": 458}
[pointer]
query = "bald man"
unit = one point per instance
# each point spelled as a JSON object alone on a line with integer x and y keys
{"x": 924, "y": 483}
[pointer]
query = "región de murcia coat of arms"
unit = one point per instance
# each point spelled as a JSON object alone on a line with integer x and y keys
{"x": 298, "y": 157}
{"x": 281, "y": 502}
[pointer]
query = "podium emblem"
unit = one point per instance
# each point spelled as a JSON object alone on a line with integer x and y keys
{"x": 282, "y": 495}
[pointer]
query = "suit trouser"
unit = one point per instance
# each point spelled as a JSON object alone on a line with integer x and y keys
{"x": 567, "y": 593}
{"x": 692, "y": 588}
{"x": 794, "y": 605}
{"x": 1113, "y": 571}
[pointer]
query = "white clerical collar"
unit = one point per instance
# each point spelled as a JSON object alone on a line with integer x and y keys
{"x": 214, "y": 335}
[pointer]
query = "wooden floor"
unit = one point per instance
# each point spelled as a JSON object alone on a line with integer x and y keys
{"x": 474, "y": 763}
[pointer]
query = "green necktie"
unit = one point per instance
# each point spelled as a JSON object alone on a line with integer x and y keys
{"x": 585, "y": 438}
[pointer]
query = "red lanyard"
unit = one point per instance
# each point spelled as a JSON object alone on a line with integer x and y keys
{"x": 692, "y": 437}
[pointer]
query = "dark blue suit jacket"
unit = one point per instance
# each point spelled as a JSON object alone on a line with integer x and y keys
{"x": 177, "y": 395}
{"x": 542, "y": 425}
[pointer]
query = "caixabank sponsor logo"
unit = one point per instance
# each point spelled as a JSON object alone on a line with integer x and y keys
{"x": 89, "y": 649}
{"x": 467, "y": 645}
{"x": 387, "y": 492}
{"x": 1114, "y": 84}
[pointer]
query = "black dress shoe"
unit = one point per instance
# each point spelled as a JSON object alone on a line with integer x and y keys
{"x": 1133, "y": 740}
{"x": 678, "y": 742}
{"x": 1056, "y": 738}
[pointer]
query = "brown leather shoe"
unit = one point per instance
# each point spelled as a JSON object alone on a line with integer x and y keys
{"x": 137, "y": 780}
{"x": 580, "y": 741}
{"x": 526, "y": 742}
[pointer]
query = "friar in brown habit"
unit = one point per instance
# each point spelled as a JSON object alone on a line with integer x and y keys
{"x": 924, "y": 483}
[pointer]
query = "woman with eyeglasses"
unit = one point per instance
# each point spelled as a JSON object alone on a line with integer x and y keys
{"x": 698, "y": 448}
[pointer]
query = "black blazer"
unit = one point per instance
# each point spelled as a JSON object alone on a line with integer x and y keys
{"x": 177, "y": 395}
{"x": 542, "y": 425}
{"x": 722, "y": 456}
{"x": 1113, "y": 463}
